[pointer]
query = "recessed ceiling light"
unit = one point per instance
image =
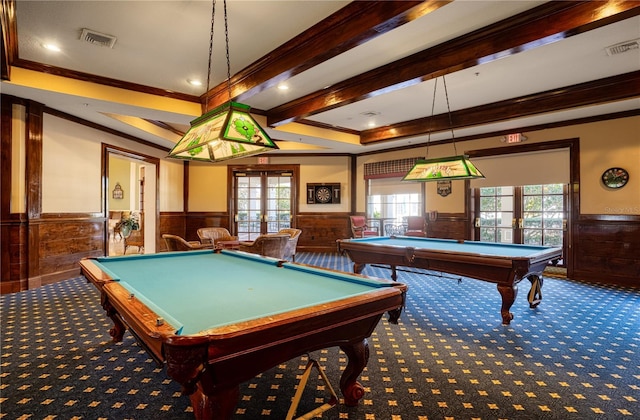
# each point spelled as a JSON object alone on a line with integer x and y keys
{"x": 194, "y": 82}
{"x": 52, "y": 47}
{"x": 283, "y": 87}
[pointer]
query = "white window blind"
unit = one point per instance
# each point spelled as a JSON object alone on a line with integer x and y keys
{"x": 531, "y": 168}
{"x": 391, "y": 186}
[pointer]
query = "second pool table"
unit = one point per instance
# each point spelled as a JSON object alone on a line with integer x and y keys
{"x": 218, "y": 319}
{"x": 503, "y": 264}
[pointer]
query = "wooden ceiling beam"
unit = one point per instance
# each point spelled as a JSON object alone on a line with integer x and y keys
{"x": 617, "y": 88}
{"x": 539, "y": 26}
{"x": 353, "y": 25}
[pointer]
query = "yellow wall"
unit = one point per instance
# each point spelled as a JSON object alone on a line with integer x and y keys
{"x": 72, "y": 177}
{"x": 119, "y": 172}
{"x": 171, "y": 185}
{"x": 602, "y": 145}
{"x": 208, "y": 182}
{"x": 71, "y": 180}
{"x": 207, "y": 187}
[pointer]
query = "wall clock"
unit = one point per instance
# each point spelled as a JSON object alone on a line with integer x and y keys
{"x": 615, "y": 177}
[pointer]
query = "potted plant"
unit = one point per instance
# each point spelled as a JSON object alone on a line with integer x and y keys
{"x": 126, "y": 225}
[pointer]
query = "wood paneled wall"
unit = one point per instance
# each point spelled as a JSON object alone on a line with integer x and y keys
{"x": 197, "y": 220}
{"x": 607, "y": 251}
{"x": 321, "y": 230}
{"x": 448, "y": 226}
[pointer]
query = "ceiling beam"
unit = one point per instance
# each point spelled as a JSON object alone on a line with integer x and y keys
{"x": 353, "y": 25}
{"x": 539, "y": 26}
{"x": 616, "y": 88}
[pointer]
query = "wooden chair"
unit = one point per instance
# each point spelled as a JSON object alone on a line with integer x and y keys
{"x": 210, "y": 235}
{"x": 290, "y": 251}
{"x": 270, "y": 245}
{"x": 359, "y": 227}
{"x": 176, "y": 243}
{"x": 114, "y": 223}
{"x": 416, "y": 226}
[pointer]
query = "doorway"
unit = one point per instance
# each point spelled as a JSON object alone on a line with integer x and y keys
{"x": 264, "y": 201}
{"x": 131, "y": 191}
{"x": 530, "y": 215}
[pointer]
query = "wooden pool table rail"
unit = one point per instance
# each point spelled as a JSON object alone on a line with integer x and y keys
{"x": 211, "y": 364}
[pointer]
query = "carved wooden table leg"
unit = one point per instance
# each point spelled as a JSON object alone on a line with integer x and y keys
{"x": 117, "y": 332}
{"x": 357, "y": 268}
{"x": 358, "y": 354}
{"x": 508, "y": 294}
{"x": 216, "y": 407}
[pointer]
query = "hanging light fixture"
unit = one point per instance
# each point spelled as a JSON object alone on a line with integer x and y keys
{"x": 446, "y": 168}
{"x": 226, "y": 132}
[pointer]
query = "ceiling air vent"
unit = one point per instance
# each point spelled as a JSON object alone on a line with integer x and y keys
{"x": 623, "y": 47}
{"x": 97, "y": 38}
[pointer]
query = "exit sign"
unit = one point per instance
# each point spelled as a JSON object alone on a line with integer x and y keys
{"x": 263, "y": 160}
{"x": 514, "y": 138}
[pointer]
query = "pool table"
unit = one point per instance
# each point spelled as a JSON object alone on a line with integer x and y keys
{"x": 219, "y": 318}
{"x": 504, "y": 264}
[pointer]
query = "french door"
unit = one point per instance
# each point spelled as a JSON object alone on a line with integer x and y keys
{"x": 531, "y": 214}
{"x": 264, "y": 202}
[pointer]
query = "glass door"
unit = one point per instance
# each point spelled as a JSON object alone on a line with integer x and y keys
{"x": 278, "y": 202}
{"x": 543, "y": 220}
{"x": 263, "y": 203}
{"x": 496, "y": 217}
{"x": 249, "y": 206}
{"x": 532, "y": 215}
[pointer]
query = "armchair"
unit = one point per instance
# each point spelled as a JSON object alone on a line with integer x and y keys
{"x": 359, "y": 227}
{"x": 176, "y": 243}
{"x": 210, "y": 235}
{"x": 416, "y": 226}
{"x": 292, "y": 244}
{"x": 270, "y": 245}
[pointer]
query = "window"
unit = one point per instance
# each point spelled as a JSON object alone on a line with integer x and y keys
{"x": 390, "y": 201}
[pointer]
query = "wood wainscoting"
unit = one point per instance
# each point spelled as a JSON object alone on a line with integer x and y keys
{"x": 47, "y": 249}
{"x": 449, "y": 226}
{"x": 197, "y": 220}
{"x": 606, "y": 249}
{"x": 320, "y": 231}
{"x": 173, "y": 223}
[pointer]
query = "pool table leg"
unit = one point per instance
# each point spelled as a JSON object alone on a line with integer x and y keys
{"x": 218, "y": 406}
{"x": 117, "y": 332}
{"x": 508, "y": 293}
{"x": 358, "y": 354}
{"x": 358, "y": 267}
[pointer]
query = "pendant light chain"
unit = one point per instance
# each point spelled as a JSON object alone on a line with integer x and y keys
{"x": 213, "y": 17}
{"x": 226, "y": 39}
{"x": 433, "y": 106}
{"x": 446, "y": 95}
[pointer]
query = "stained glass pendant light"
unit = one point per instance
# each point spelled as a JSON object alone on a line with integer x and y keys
{"x": 445, "y": 168}
{"x": 226, "y": 132}
{"x": 452, "y": 167}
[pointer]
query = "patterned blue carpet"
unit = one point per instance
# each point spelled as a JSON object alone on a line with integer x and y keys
{"x": 576, "y": 356}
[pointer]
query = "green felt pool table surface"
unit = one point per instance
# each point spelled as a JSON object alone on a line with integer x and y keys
{"x": 200, "y": 290}
{"x": 449, "y": 245}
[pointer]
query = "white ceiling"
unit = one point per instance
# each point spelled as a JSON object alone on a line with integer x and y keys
{"x": 161, "y": 44}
